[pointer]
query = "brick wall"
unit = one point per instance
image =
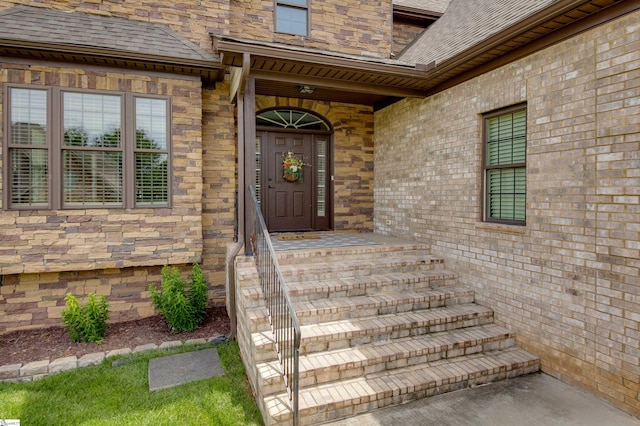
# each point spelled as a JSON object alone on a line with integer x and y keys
{"x": 355, "y": 28}
{"x": 569, "y": 281}
{"x": 353, "y": 157}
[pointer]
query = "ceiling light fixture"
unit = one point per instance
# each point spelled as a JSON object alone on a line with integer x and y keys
{"x": 306, "y": 90}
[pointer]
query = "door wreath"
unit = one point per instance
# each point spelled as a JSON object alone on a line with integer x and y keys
{"x": 292, "y": 168}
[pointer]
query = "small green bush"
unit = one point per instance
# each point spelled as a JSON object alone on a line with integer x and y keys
{"x": 183, "y": 309}
{"x": 86, "y": 323}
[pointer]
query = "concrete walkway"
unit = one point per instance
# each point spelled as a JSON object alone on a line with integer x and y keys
{"x": 533, "y": 400}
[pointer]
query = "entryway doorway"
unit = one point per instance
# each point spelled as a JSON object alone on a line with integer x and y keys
{"x": 303, "y": 204}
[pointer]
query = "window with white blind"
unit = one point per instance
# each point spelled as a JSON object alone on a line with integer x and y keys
{"x": 72, "y": 149}
{"x": 505, "y": 168}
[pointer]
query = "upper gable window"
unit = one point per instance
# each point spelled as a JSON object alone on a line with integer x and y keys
{"x": 292, "y": 17}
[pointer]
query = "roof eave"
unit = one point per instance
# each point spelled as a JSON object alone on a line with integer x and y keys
{"x": 332, "y": 60}
{"x": 456, "y": 65}
{"x": 204, "y": 67}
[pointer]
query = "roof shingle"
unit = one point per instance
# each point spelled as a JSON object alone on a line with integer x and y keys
{"x": 108, "y": 34}
{"x": 466, "y": 23}
{"x": 437, "y": 6}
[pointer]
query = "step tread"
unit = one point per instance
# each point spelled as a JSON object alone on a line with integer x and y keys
{"x": 403, "y": 259}
{"x": 386, "y": 384}
{"x": 387, "y": 323}
{"x": 378, "y": 300}
{"x": 412, "y": 319}
{"x": 361, "y": 356}
{"x": 301, "y": 288}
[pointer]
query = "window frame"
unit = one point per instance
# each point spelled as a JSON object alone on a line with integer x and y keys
{"x": 55, "y": 148}
{"x": 513, "y": 166}
{"x": 292, "y": 5}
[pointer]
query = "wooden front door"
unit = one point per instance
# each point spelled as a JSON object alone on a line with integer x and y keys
{"x": 287, "y": 206}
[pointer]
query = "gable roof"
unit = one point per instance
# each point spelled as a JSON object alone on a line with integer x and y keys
{"x": 59, "y": 32}
{"x": 474, "y": 36}
{"x": 467, "y": 23}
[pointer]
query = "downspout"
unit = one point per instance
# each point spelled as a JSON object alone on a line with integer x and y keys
{"x": 231, "y": 266}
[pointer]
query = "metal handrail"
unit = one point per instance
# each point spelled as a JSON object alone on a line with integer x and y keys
{"x": 282, "y": 316}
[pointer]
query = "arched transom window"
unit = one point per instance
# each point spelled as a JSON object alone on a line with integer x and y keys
{"x": 291, "y": 119}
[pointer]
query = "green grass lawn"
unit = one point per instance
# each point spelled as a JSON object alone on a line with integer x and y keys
{"x": 106, "y": 395}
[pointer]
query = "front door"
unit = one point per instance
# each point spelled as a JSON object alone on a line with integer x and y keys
{"x": 287, "y": 206}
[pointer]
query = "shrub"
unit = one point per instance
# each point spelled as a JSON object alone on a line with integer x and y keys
{"x": 183, "y": 308}
{"x": 86, "y": 323}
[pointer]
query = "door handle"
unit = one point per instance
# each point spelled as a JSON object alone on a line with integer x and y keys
{"x": 271, "y": 186}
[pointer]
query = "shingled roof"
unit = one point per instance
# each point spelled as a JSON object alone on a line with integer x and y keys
{"x": 437, "y": 6}
{"x": 24, "y": 27}
{"x": 466, "y": 23}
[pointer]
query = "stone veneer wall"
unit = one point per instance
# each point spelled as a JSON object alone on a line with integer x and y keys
{"x": 336, "y": 25}
{"x": 106, "y": 242}
{"x": 219, "y": 156}
{"x": 352, "y": 155}
{"x": 569, "y": 281}
{"x": 404, "y": 34}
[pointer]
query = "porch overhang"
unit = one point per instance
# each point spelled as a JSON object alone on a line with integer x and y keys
{"x": 279, "y": 70}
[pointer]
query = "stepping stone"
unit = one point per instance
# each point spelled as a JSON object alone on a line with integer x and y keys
{"x": 174, "y": 370}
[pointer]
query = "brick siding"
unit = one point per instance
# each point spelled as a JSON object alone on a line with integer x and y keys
{"x": 567, "y": 282}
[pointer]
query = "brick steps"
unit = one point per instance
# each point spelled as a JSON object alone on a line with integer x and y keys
{"x": 339, "y": 308}
{"x": 357, "y": 331}
{"x": 340, "y": 364}
{"x": 347, "y": 268}
{"x": 380, "y": 325}
{"x": 328, "y": 255}
{"x": 355, "y": 286}
{"x": 330, "y": 401}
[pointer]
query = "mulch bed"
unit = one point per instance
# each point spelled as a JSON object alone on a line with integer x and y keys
{"x": 21, "y": 347}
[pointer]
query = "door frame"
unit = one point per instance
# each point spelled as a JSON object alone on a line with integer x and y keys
{"x": 318, "y": 223}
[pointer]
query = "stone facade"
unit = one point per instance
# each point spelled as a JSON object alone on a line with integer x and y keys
{"x": 364, "y": 28}
{"x": 36, "y": 242}
{"x": 100, "y": 250}
{"x": 404, "y": 34}
{"x": 219, "y": 185}
{"x": 568, "y": 282}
